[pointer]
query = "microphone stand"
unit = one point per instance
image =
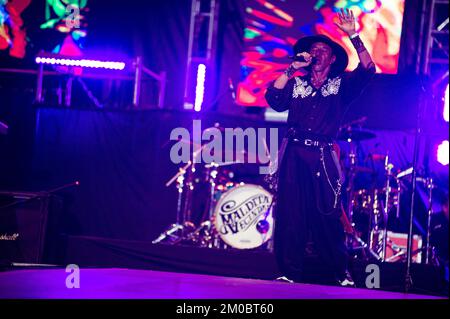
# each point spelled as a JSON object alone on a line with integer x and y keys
{"x": 421, "y": 108}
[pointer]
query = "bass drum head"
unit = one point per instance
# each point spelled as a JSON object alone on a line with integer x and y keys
{"x": 241, "y": 216}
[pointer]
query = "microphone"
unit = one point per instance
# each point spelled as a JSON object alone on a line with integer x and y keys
{"x": 231, "y": 87}
{"x": 300, "y": 58}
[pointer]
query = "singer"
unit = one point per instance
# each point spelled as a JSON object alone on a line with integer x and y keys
{"x": 309, "y": 179}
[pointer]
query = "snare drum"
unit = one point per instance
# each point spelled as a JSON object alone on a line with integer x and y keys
{"x": 243, "y": 216}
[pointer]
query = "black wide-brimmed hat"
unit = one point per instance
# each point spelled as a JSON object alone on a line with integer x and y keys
{"x": 305, "y": 43}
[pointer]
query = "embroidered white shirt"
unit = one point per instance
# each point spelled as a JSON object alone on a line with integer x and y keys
{"x": 303, "y": 89}
{"x": 332, "y": 87}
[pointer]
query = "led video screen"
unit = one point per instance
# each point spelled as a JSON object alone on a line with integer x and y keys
{"x": 272, "y": 28}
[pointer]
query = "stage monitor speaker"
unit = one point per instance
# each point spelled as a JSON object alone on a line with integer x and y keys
{"x": 28, "y": 226}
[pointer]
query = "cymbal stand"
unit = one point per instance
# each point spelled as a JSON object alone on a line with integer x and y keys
{"x": 180, "y": 188}
{"x": 214, "y": 241}
{"x": 388, "y": 167}
{"x": 179, "y": 224}
{"x": 374, "y": 227}
{"x": 350, "y": 190}
{"x": 381, "y": 211}
{"x": 187, "y": 209}
{"x": 183, "y": 224}
{"x": 204, "y": 234}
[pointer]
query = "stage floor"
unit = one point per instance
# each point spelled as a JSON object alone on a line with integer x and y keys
{"x": 115, "y": 283}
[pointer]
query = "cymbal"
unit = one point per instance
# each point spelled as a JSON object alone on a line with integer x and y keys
{"x": 355, "y": 135}
{"x": 223, "y": 164}
{"x": 219, "y": 152}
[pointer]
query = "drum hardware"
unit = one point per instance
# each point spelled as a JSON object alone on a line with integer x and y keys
{"x": 368, "y": 210}
{"x": 405, "y": 173}
{"x": 428, "y": 182}
{"x": 372, "y": 208}
{"x": 364, "y": 247}
{"x": 174, "y": 228}
{"x": 185, "y": 186}
{"x": 219, "y": 183}
{"x": 400, "y": 253}
{"x": 213, "y": 164}
{"x": 388, "y": 167}
{"x": 353, "y": 133}
{"x": 396, "y": 247}
{"x": 383, "y": 244}
{"x": 352, "y": 136}
{"x": 384, "y": 200}
{"x": 205, "y": 233}
{"x": 201, "y": 236}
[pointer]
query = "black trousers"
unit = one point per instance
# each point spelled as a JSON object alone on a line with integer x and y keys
{"x": 306, "y": 208}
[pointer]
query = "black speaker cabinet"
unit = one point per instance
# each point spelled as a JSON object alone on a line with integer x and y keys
{"x": 28, "y": 226}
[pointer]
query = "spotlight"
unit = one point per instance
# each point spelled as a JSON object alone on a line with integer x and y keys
{"x": 442, "y": 153}
{"x": 446, "y": 105}
{"x": 81, "y": 62}
{"x": 200, "y": 89}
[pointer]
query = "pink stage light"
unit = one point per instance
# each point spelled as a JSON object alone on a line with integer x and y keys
{"x": 446, "y": 105}
{"x": 200, "y": 89}
{"x": 82, "y": 63}
{"x": 442, "y": 153}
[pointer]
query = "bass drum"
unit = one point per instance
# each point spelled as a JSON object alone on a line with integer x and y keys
{"x": 243, "y": 216}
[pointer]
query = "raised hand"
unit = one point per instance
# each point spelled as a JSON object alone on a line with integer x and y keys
{"x": 346, "y": 21}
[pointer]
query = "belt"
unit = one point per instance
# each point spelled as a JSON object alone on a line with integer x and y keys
{"x": 310, "y": 142}
{"x": 305, "y": 139}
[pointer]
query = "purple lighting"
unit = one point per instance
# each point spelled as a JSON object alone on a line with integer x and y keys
{"x": 200, "y": 89}
{"x": 442, "y": 153}
{"x": 82, "y": 63}
{"x": 446, "y": 105}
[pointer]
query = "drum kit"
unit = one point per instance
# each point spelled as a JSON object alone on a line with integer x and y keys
{"x": 215, "y": 211}
{"x": 238, "y": 215}
{"x": 373, "y": 210}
